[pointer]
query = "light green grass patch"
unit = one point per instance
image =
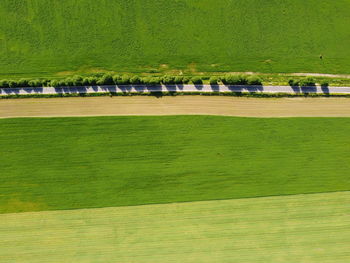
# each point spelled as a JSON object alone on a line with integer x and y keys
{"x": 304, "y": 228}
{"x": 66, "y": 163}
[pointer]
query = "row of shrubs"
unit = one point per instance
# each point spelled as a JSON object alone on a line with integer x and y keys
{"x": 108, "y": 79}
{"x": 306, "y": 82}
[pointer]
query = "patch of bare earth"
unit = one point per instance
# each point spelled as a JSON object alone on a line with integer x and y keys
{"x": 179, "y": 105}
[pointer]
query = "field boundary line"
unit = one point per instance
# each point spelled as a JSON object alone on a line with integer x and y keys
{"x": 185, "y": 202}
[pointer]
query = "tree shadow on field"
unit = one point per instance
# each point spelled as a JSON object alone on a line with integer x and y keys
{"x": 154, "y": 88}
{"x": 235, "y": 88}
{"x": 157, "y": 94}
{"x": 112, "y": 89}
{"x": 308, "y": 89}
{"x": 139, "y": 88}
{"x": 9, "y": 91}
{"x": 125, "y": 88}
{"x": 296, "y": 89}
{"x": 61, "y": 90}
{"x": 35, "y": 90}
{"x": 38, "y": 90}
{"x": 325, "y": 89}
{"x": 109, "y": 88}
{"x": 254, "y": 88}
{"x": 180, "y": 86}
{"x": 171, "y": 88}
{"x": 198, "y": 86}
{"x": 215, "y": 87}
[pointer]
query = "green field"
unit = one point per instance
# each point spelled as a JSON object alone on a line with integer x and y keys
{"x": 70, "y": 163}
{"x": 304, "y": 228}
{"x": 47, "y": 37}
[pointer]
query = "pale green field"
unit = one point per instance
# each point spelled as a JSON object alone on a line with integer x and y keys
{"x": 300, "y": 228}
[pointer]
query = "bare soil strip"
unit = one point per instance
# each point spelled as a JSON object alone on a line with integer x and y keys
{"x": 179, "y": 105}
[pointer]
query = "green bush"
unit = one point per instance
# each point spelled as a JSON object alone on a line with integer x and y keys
{"x": 307, "y": 82}
{"x": 121, "y": 80}
{"x": 167, "y": 80}
{"x": 324, "y": 83}
{"x": 66, "y": 82}
{"x": 44, "y": 82}
{"x": 145, "y": 80}
{"x": 77, "y": 80}
{"x": 135, "y": 80}
{"x": 243, "y": 80}
{"x": 235, "y": 79}
{"x": 12, "y": 84}
{"x": 155, "y": 81}
{"x": 62, "y": 82}
{"x": 106, "y": 79}
{"x": 116, "y": 79}
{"x": 55, "y": 83}
{"x": 152, "y": 80}
{"x": 178, "y": 80}
{"x": 293, "y": 82}
{"x": 4, "y": 83}
{"x": 69, "y": 81}
{"x": 254, "y": 80}
{"x": 230, "y": 79}
{"x": 213, "y": 80}
{"x": 23, "y": 83}
{"x": 125, "y": 80}
{"x": 35, "y": 83}
{"x": 85, "y": 82}
{"x": 92, "y": 81}
{"x": 185, "y": 80}
{"x": 196, "y": 80}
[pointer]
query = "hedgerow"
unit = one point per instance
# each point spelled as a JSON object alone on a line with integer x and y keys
{"x": 135, "y": 80}
{"x": 234, "y": 79}
{"x": 168, "y": 80}
{"x": 108, "y": 79}
{"x": 152, "y": 80}
{"x": 302, "y": 82}
{"x": 254, "y": 80}
{"x": 213, "y": 80}
{"x": 307, "y": 82}
{"x": 197, "y": 80}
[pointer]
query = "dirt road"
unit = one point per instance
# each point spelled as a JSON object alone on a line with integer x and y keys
{"x": 179, "y": 105}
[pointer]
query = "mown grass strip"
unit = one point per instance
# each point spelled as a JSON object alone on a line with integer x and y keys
{"x": 304, "y": 228}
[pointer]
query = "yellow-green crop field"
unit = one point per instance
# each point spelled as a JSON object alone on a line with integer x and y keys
{"x": 302, "y": 228}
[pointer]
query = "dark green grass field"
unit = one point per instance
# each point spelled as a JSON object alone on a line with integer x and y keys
{"x": 45, "y": 37}
{"x": 66, "y": 163}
